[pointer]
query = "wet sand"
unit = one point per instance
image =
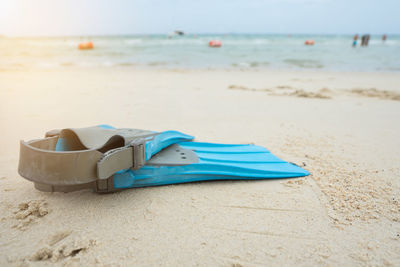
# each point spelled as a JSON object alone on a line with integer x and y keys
{"x": 342, "y": 127}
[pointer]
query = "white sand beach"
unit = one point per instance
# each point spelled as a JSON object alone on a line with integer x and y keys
{"x": 343, "y": 127}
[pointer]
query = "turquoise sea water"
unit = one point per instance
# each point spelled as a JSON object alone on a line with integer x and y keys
{"x": 238, "y": 51}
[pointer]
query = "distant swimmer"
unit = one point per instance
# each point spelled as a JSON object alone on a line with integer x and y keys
{"x": 365, "y": 39}
{"x": 355, "y": 39}
{"x": 384, "y": 37}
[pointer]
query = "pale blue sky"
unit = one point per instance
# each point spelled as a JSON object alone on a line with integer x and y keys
{"x": 103, "y": 17}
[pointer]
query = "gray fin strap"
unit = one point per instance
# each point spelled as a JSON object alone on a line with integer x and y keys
{"x": 128, "y": 157}
{"x": 39, "y": 162}
{"x": 65, "y": 171}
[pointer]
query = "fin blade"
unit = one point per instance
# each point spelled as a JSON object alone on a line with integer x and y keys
{"x": 223, "y": 148}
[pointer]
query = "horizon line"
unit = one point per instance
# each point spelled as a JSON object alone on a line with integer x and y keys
{"x": 186, "y": 34}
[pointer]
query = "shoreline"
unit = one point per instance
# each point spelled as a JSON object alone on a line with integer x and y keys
{"x": 307, "y": 80}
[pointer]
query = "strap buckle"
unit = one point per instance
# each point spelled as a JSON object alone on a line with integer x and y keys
{"x": 139, "y": 153}
{"x": 132, "y": 156}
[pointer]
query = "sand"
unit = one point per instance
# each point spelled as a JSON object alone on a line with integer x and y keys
{"x": 342, "y": 127}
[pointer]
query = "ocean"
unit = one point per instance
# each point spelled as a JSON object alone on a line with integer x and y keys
{"x": 238, "y": 51}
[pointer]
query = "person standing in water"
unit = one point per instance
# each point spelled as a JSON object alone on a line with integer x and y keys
{"x": 384, "y": 37}
{"x": 355, "y": 38}
{"x": 365, "y": 39}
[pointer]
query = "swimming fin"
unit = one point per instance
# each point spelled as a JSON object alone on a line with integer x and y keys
{"x": 107, "y": 159}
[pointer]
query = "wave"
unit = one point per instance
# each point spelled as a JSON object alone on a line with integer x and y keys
{"x": 125, "y": 64}
{"x": 157, "y": 63}
{"x": 304, "y": 63}
{"x": 252, "y": 64}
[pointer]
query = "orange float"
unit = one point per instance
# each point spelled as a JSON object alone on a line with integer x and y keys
{"x": 85, "y": 46}
{"x": 215, "y": 43}
{"x": 309, "y": 42}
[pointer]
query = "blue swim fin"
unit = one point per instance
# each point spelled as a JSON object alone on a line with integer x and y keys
{"x": 107, "y": 159}
{"x": 193, "y": 161}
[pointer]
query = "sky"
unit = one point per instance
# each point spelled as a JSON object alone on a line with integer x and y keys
{"x": 116, "y": 17}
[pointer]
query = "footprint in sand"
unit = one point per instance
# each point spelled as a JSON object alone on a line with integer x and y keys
{"x": 29, "y": 212}
{"x": 244, "y": 88}
{"x": 301, "y": 93}
{"x": 62, "y": 245}
{"x": 375, "y": 93}
{"x": 286, "y": 90}
{"x": 284, "y": 87}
